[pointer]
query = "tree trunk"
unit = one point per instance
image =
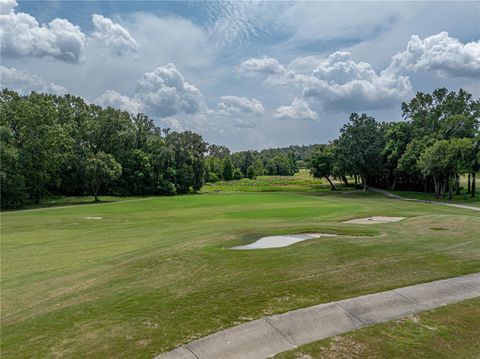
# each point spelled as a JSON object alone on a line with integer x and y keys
{"x": 364, "y": 180}
{"x": 450, "y": 185}
{"x": 344, "y": 179}
{"x": 394, "y": 182}
{"x": 331, "y": 184}
{"x": 473, "y": 185}
{"x": 437, "y": 185}
{"x": 457, "y": 184}
{"x": 355, "y": 185}
{"x": 468, "y": 185}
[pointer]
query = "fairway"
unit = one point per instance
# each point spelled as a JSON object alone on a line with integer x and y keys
{"x": 154, "y": 273}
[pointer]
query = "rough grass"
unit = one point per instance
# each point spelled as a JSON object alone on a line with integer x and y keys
{"x": 446, "y": 332}
{"x": 155, "y": 273}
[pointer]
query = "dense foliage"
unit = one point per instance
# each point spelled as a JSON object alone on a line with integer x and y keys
{"x": 64, "y": 146}
{"x": 436, "y": 143}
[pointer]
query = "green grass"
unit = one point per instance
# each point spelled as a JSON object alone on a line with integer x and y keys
{"x": 446, "y": 332}
{"x": 155, "y": 273}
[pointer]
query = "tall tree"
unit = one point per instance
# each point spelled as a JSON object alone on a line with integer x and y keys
{"x": 101, "y": 168}
{"x": 362, "y": 140}
{"x": 321, "y": 164}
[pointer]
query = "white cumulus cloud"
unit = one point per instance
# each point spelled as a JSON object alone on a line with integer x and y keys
{"x": 343, "y": 84}
{"x": 24, "y": 82}
{"x": 7, "y": 6}
{"x": 160, "y": 93}
{"x": 113, "y": 35}
{"x": 111, "y": 98}
{"x": 337, "y": 82}
{"x": 22, "y": 35}
{"x": 165, "y": 92}
{"x": 439, "y": 52}
{"x": 298, "y": 110}
{"x": 235, "y": 105}
{"x": 265, "y": 65}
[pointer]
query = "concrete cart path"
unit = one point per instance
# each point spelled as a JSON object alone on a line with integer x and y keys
{"x": 396, "y": 196}
{"x": 274, "y": 334}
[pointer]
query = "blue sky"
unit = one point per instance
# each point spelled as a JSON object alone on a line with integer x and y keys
{"x": 243, "y": 74}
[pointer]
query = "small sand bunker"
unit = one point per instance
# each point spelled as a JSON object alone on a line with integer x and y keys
{"x": 93, "y": 218}
{"x": 282, "y": 241}
{"x": 374, "y": 220}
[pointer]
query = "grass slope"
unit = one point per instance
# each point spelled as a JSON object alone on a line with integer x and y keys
{"x": 154, "y": 273}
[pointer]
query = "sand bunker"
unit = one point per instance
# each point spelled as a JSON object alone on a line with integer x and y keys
{"x": 374, "y": 220}
{"x": 93, "y": 218}
{"x": 282, "y": 241}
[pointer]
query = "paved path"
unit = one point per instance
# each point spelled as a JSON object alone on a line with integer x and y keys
{"x": 271, "y": 335}
{"x": 396, "y": 196}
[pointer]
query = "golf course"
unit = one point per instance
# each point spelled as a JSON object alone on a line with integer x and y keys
{"x": 140, "y": 276}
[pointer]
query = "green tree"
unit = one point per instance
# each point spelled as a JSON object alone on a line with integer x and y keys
{"x": 251, "y": 172}
{"x": 396, "y": 136}
{"x": 237, "y": 174}
{"x": 227, "y": 169}
{"x": 321, "y": 164}
{"x": 12, "y": 182}
{"x": 101, "y": 169}
{"x": 189, "y": 150}
{"x": 362, "y": 140}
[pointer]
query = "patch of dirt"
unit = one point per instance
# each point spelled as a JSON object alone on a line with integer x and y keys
{"x": 343, "y": 348}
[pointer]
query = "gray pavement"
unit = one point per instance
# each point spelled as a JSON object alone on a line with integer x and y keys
{"x": 265, "y": 337}
{"x": 396, "y": 196}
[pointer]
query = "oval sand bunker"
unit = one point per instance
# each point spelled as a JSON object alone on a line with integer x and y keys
{"x": 374, "y": 220}
{"x": 282, "y": 241}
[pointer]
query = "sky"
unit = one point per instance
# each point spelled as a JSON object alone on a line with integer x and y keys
{"x": 248, "y": 75}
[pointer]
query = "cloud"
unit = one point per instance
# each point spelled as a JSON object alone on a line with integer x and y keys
{"x": 22, "y": 35}
{"x": 234, "y": 105}
{"x": 111, "y": 98}
{"x": 165, "y": 93}
{"x": 438, "y": 52}
{"x": 337, "y": 82}
{"x": 345, "y": 85}
{"x": 160, "y": 93}
{"x": 112, "y": 35}
{"x": 172, "y": 123}
{"x": 24, "y": 82}
{"x": 265, "y": 66}
{"x": 7, "y": 6}
{"x": 298, "y": 110}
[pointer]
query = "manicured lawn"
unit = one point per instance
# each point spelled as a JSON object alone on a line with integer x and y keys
{"x": 446, "y": 332}
{"x": 154, "y": 273}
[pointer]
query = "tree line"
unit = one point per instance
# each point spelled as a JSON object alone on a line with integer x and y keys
{"x": 286, "y": 161}
{"x": 436, "y": 143}
{"x": 60, "y": 145}
{"x": 63, "y": 146}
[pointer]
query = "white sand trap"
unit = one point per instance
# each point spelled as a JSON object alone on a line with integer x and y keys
{"x": 93, "y": 218}
{"x": 374, "y": 220}
{"x": 282, "y": 241}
